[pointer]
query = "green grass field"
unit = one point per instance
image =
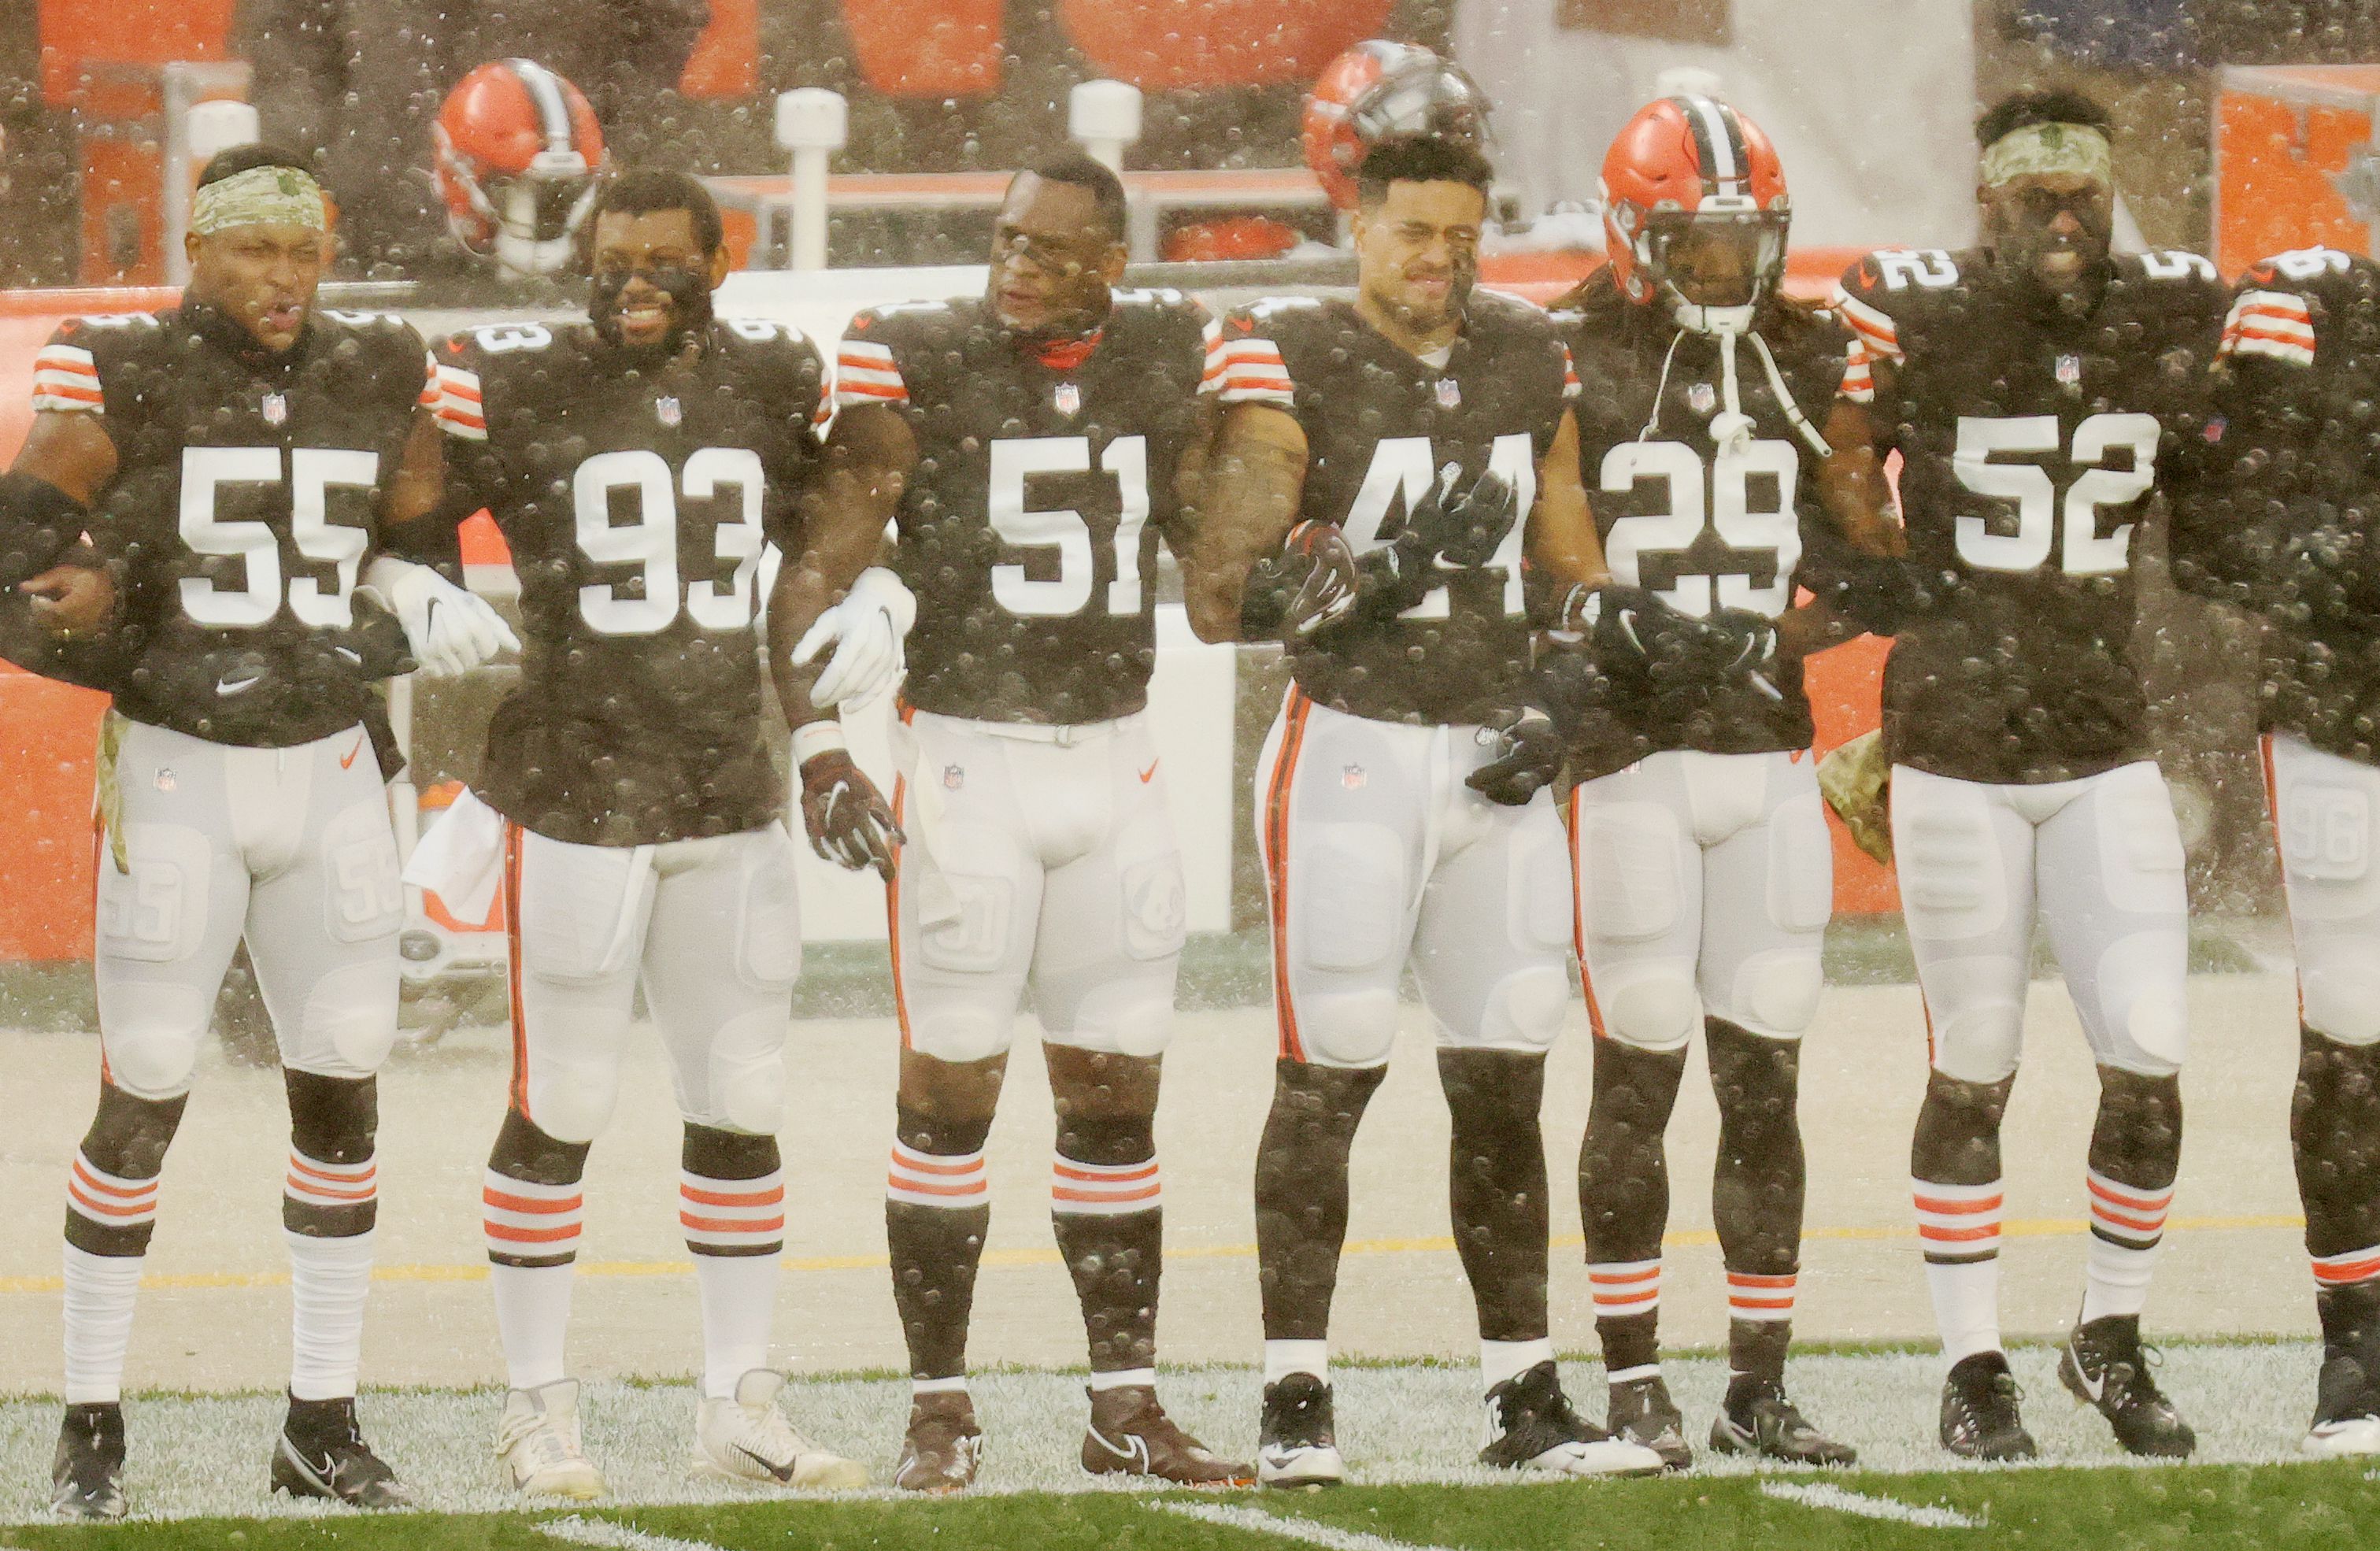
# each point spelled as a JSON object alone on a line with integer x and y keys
{"x": 2271, "y": 1508}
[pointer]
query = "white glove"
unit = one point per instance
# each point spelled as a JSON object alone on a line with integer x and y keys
{"x": 866, "y": 630}
{"x": 449, "y": 629}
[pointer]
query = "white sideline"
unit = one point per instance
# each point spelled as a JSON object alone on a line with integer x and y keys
{"x": 1257, "y": 1522}
{"x": 617, "y": 1537}
{"x": 1835, "y": 1499}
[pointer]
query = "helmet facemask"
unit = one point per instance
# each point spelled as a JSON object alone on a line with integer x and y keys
{"x": 1715, "y": 264}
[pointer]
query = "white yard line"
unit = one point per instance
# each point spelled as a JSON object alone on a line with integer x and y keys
{"x": 616, "y": 1537}
{"x": 1257, "y": 1522}
{"x": 1834, "y": 1499}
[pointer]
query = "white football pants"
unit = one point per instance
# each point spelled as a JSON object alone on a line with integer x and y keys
{"x": 2322, "y": 810}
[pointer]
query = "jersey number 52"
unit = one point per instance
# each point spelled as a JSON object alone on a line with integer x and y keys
{"x": 2043, "y": 522}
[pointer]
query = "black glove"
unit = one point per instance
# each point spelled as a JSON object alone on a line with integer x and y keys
{"x": 1528, "y": 757}
{"x": 848, "y": 820}
{"x": 1740, "y": 646}
{"x": 1446, "y": 530}
{"x": 1310, "y": 584}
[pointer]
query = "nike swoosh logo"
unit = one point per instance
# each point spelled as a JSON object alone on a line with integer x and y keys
{"x": 237, "y": 686}
{"x": 1138, "y": 1454}
{"x": 2090, "y": 1386}
{"x": 355, "y": 657}
{"x": 1147, "y": 773}
{"x": 349, "y": 757}
{"x": 782, "y": 1472}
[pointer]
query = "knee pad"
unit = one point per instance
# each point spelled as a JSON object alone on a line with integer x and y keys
{"x": 2142, "y": 1009}
{"x": 524, "y": 1152}
{"x": 1526, "y": 1008}
{"x": 2339, "y": 986}
{"x": 1776, "y": 993}
{"x": 941, "y": 1136}
{"x": 130, "y": 1134}
{"x": 1125, "y": 1017}
{"x": 1347, "y": 896}
{"x": 1347, "y": 1028}
{"x": 1976, "y": 1025}
{"x": 748, "y": 1073}
{"x": 572, "y": 1102}
{"x": 332, "y": 1120}
{"x": 710, "y": 1154}
{"x": 150, "y": 1039}
{"x": 1627, "y": 870}
{"x": 348, "y": 1023}
{"x": 959, "y": 1026}
{"x": 1109, "y": 1141}
{"x": 1652, "y": 1005}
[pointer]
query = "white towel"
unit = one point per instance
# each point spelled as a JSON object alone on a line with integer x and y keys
{"x": 462, "y": 858}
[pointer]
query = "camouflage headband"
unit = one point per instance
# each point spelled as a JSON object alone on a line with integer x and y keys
{"x": 2050, "y": 148}
{"x": 259, "y": 196}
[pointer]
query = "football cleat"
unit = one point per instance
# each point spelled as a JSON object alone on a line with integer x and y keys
{"x": 1643, "y": 1413}
{"x": 1131, "y": 1435}
{"x": 1297, "y": 1445}
{"x": 1530, "y": 1426}
{"x": 321, "y": 1453}
{"x": 87, "y": 1471}
{"x": 1979, "y": 1411}
{"x": 2345, "y": 1412}
{"x": 943, "y": 1446}
{"x": 538, "y": 1443}
{"x": 745, "y": 1437}
{"x": 2106, "y": 1367}
{"x": 1769, "y": 1426}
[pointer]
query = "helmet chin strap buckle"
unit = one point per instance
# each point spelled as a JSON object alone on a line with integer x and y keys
{"x": 1697, "y": 319}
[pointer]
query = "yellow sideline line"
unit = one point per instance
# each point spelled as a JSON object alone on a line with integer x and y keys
{"x": 2036, "y": 1228}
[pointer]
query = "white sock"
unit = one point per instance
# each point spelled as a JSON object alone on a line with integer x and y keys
{"x": 1124, "y": 1378}
{"x": 1284, "y": 1358}
{"x": 329, "y": 1280}
{"x": 953, "y": 1386}
{"x": 739, "y": 1307}
{"x": 533, "y": 1321}
{"x": 1966, "y": 1306}
{"x": 100, "y": 1293}
{"x": 2115, "y": 1278}
{"x": 1500, "y": 1361}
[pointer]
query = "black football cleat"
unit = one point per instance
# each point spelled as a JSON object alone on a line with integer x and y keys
{"x": 1297, "y": 1443}
{"x": 321, "y": 1453}
{"x": 2346, "y": 1411}
{"x": 1642, "y": 1413}
{"x": 1765, "y": 1425}
{"x": 1979, "y": 1411}
{"x": 2106, "y": 1367}
{"x": 1532, "y": 1428}
{"x": 87, "y": 1471}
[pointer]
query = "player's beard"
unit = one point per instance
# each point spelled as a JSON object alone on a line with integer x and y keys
{"x": 689, "y": 297}
{"x": 2021, "y": 252}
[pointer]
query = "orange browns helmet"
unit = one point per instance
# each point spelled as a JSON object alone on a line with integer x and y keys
{"x": 1683, "y": 160}
{"x": 1377, "y": 88}
{"x": 518, "y": 153}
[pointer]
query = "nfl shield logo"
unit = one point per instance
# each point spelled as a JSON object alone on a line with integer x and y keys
{"x": 953, "y": 777}
{"x": 1450, "y": 393}
{"x": 1068, "y": 398}
{"x": 276, "y": 410}
{"x": 667, "y": 410}
{"x": 1351, "y": 778}
{"x": 1702, "y": 398}
{"x": 2069, "y": 369}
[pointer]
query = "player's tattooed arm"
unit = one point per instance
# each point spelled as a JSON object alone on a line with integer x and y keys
{"x": 1562, "y": 546}
{"x": 862, "y": 473}
{"x": 1255, "y": 479}
{"x": 68, "y": 461}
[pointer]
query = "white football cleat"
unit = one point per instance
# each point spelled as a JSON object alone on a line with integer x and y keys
{"x": 537, "y": 1442}
{"x": 2349, "y": 1437}
{"x": 747, "y": 1439}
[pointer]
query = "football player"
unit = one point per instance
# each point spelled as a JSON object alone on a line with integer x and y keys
{"x": 639, "y": 461}
{"x": 1027, "y": 446}
{"x": 1700, "y": 849}
{"x": 1385, "y": 466}
{"x": 242, "y": 461}
{"x": 2035, "y": 387}
{"x": 2284, "y": 527}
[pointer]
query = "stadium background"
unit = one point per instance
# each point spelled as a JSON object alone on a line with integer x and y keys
{"x": 1870, "y": 103}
